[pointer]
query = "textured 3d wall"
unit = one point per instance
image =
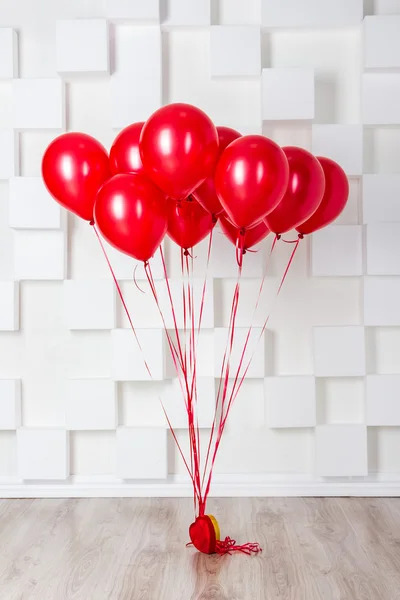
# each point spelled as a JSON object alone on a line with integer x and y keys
{"x": 320, "y": 410}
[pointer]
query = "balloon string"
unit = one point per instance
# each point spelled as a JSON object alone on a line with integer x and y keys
{"x": 189, "y": 406}
{"x": 225, "y": 368}
{"x": 140, "y": 346}
{"x": 179, "y": 368}
{"x": 122, "y": 299}
{"x": 235, "y": 391}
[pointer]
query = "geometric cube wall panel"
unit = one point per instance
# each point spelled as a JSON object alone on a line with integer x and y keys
{"x": 381, "y": 195}
{"x": 187, "y": 13}
{"x": 341, "y": 143}
{"x": 9, "y": 154}
{"x": 339, "y": 351}
{"x": 127, "y": 360}
{"x": 174, "y": 403}
{"x": 290, "y": 401}
{"x": 341, "y": 450}
{"x": 257, "y": 366}
{"x": 39, "y": 255}
{"x": 383, "y": 400}
{"x": 381, "y": 42}
{"x": 91, "y": 404}
{"x": 9, "y": 306}
{"x": 42, "y": 453}
{"x": 132, "y": 10}
{"x": 230, "y": 59}
{"x": 311, "y": 13}
{"x": 89, "y": 304}
{"x": 138, "y": 59}
{"x": 382, "y": 301}
{"x": 287, "y": 94}
{"x": 337, "y": 251}
{"x": 82, "y": 46}
{"x": 142, "y": 453}
{"x": 8, "y": 53}
{"x": 381, "y": 98}
{"x": 10, "y": 404}
{"x": 38, "y": 104}
{"x": 31, "y": 206}
{"x": 383, "y": 249}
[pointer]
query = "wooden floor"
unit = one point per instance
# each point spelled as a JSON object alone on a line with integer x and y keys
{"x": 134, "y": 549}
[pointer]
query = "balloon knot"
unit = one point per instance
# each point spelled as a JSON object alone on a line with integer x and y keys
{"x": 301, "y": 236}
{"x": 186, "y": 252}
{"x": 91, "y": 222}
{"x": 278, "y": 236}
{"x": 214, "y": 218}
{"x": 145, "y": 263}
{"x": 242, "y": 231}
{"x": 244, "y": 251}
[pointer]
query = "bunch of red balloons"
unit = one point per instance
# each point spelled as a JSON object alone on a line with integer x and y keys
{"x": 178, "y": 174}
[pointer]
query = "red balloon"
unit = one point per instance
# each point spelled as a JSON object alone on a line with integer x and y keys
{"x": 251, "y": 179}
{"x": 131, "y": 213}
{"x": 252, "y": 236}
{"x": 304, "y": 192}
{"x": 188, "y": 222}
{"x": 124, "y": 153}
{"x": 179, "y": 148}
{"x": 74, "y": 167}
{"x": 205, "y": 194}
{"x": 334, "y": 199}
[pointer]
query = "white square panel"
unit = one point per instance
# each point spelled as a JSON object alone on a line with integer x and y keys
{"x": 174, "y": 403}
{"x": 311, "y": 13}
{"x": 381, "y": 42}
{"x": 8, "y": 53}
{"x": 386, "y": 7}
{"x": 130, "y": 103}
{"x": 287, "y": 94}
{"x": 132, "y": 10}
{"x": 39, "y": 255}
{"x": 382, "y": 301}
{"x": 257, "y": 367}
{"x": 341, "y": 450}
{"x": 42, "y": 453}
{"x": 38, "y": 104}
{"x": 187, "y": 13}
{"x": 341, "y": 143}
{"x": 382, "y": 400}
{"x": 138, "y": 51}
{"x": 142, "y": 453}
{"x": 10, "y": 404}
{"x": 339, "y": 351}
{"x": 235, "y": 51}
{"x": 9, "y": 154}
{"x": 381, "y": 198}
{"x": 383, "y": 249}
{"x": 290, "y": 401}
{"x": 336, "y": 251}
{"x": 381, "y": 98}
{"x": 9, "y": 306}
{"x": 127, "y": 360}
{"x": 89, "y": 304}
{"x": 178, "y": 288}
{"x": 82, "y": 46}
{"x": 91, "y": 404}
{"x": 31, "y": 206}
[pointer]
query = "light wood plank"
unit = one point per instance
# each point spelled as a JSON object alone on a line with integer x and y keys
{"x": 134, "y": 549}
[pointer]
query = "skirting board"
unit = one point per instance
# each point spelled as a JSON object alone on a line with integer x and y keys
{"x": 262, "y": 486}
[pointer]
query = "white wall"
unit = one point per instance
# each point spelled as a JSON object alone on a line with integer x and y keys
{"x": 321, "y": 413}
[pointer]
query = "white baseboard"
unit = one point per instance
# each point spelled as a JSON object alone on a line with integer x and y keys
{"x": 223, "y": 486}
